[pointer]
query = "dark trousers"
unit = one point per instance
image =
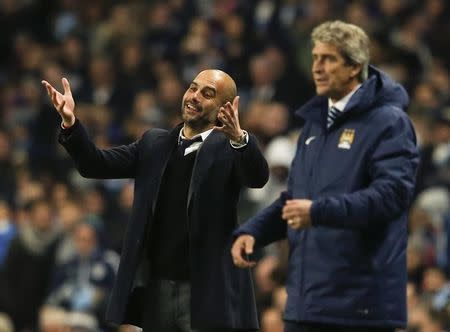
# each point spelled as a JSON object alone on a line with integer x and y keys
{"x": 167, "y": 308}
{"x": 303, "y": 327}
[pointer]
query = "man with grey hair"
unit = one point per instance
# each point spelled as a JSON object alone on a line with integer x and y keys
{"x": 350, "y": 185}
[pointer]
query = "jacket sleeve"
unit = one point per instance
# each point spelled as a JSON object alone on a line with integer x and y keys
{"x": 92, "y": 162}
{"x": 267, "y": 226}
{"x": 251, "y": 165}
{"x": 392, "y": 170}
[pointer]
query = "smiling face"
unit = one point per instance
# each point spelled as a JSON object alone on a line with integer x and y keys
{"x": 333, "y": 76}
{"x": 202, "y": 100}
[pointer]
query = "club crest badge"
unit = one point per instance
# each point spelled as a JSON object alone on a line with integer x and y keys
{"x": 346, "y": 139}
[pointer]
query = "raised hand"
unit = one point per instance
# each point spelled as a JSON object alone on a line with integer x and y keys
{"x": 229, "y": 116}
{"x": 63, "y": 103}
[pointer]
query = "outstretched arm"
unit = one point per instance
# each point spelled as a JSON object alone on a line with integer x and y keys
{"x": 91, "y": 162}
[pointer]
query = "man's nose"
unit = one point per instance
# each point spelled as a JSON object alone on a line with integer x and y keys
{"x": 317, "y": 66}
{"x": 195, "y": 95}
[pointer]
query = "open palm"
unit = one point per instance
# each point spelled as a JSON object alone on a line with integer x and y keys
{"x": 63, "y": 103}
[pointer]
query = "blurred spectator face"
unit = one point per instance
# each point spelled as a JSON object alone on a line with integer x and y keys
{"x": 131, "y": 56}
{"x": 41, "y": 216}
{"x": 85, "y": 239}
{"x": 418, "y": 219}
{"x": 121, "y": 20}
{"x": 425, "y": 96}
{"x": 72, "y": 50}
{"x": 357, "y": 14}
{"x": 433, "y": 280}
{"x": 196, "y": 40}
{"x": 332, "y": 76}
{"x": 33, "y": 57}
{"x": 441, "y": 132}
{"x": 60, "y": 194}
{"x": 52, "y": 73}
{"x": 101, "y": 72}
{"x": 31, "y": 91}
{"x": 439, "y": 78}
{"x": 275, "y": 119}
{"x": 28, "y": 190}
{"x": 391, "y": 8}
{"x": 143, "y": 102}
{"x": 145, "y": 113}
{"x": 252, "y": 117}
{"x": 70, "y": 214}
{"x": 321, "y": 9}
{"x": 159, "y": 15}
{"x": 272, "y": 321}
{"x": 170, "y": 91}
{"x": 94, "y": 202}
{"x": 234, "y": 26}
{"x": 261, "y": 71}
{"x": 276, "y": 59}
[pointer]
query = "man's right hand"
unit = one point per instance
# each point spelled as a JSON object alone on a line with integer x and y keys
{"x": 242, "y": 247}
{"x": 63, "y": 103}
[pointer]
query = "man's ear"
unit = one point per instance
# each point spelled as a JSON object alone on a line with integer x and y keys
{"x": 355, "y": 70}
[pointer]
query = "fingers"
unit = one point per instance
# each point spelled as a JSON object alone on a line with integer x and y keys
{"x": 236, "y": 103}
{"x": 66, "y": 85}
{"x": 54, "y": 97}
{"x": 249, "y": 242}
{"x": 61, "y": 106}
{"x": 295, "y": 223}
{"x": 243, "y": 246}
{"x": 53, "y": 94}
{"x": 292, "y": 208}
{"x": 289, "y": 212}
{"x": 48, "y": 87}
{"x": 226, "y": 116}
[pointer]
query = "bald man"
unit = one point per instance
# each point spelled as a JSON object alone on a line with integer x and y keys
{"x": 176, "y": 274}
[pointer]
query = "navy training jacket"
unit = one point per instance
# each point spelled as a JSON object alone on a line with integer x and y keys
{"x": 349, "y": 268}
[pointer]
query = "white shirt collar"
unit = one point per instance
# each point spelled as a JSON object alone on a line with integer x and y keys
{"x": 341, "y": 103}
{"x": 203, "y": 134}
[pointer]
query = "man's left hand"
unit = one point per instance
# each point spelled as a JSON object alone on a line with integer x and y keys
{"x": 297, "y": 213}
{"x": 229, "y": 117}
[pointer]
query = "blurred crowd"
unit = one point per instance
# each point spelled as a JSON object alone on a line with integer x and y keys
{"x": 129, "y": 63}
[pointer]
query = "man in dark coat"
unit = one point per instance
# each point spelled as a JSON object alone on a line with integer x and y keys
{"x": 349, "y": 189}
{"x": 176, "y": 273}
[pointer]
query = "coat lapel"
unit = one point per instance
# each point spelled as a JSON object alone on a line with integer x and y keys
{"x": 205, "y": 158}
{"x": 164, "y": 149}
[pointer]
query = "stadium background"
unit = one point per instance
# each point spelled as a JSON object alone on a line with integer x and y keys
{"x": 128, "y": 63}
